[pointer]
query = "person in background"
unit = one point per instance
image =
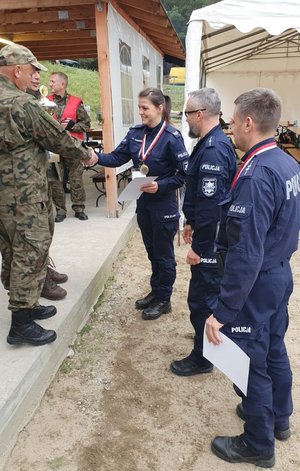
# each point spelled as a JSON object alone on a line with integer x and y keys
{"x": 73, "y": 117}
{"x": 157, "y": 149}
{"x": 50, "y": 290}
{"x": 210, "y": 172}
{"x": 262, "y": 231}
{"x": 26, "y": 132}
{"x": 222, "y": 122}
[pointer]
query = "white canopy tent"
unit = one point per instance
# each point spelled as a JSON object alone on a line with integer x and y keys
{"x": 236, "y": 45}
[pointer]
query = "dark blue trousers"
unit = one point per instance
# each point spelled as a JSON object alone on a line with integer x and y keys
{"x": 158, "y": 232}
{"x": 202, "y": 300}
{"x": 268, "y": 403}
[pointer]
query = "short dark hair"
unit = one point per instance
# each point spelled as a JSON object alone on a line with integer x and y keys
{"x": 263, "y": 105}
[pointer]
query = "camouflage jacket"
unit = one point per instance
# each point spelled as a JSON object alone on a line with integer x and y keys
{"x": 26, "y": 133}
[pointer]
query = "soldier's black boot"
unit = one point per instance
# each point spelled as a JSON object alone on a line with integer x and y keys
{"x": 24, "y": 330}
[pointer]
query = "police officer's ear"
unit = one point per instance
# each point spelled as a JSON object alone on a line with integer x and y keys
{"x": 248, "y": 124}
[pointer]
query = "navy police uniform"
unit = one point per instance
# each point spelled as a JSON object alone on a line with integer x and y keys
{"x": 262, "y": 233}
{"x": 210, "y": 171}
{"x": 157, "y": 214}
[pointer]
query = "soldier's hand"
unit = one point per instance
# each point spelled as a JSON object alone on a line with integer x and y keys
{"x": 93, "y": 160}
{"x": 193, "y": 258}
{"x": 187, "y": 234}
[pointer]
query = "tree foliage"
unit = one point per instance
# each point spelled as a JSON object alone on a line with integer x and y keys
{"x": 179, "y": 12}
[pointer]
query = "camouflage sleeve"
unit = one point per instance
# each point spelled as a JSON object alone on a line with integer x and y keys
{"x": 83, "y": 123}
{"x": 37, "y": 124}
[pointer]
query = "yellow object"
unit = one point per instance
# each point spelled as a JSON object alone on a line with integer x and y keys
{"x": 43, "y": 90}
{"x": 177, "y": 75}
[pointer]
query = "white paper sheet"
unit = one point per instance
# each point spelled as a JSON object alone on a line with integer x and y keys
{"x": 132, "y": 190}
{"x": 230, "y": 359}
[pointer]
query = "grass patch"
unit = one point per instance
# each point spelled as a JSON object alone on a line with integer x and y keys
{"x": 176, "y": 93}
{"x": 86, "y": 329}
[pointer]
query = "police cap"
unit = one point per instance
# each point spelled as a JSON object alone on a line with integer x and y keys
{"x": 15, "y": 54}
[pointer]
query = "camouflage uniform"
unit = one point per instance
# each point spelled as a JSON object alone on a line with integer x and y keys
{"x": 52, "y": 176}
{"x": 73, "y": 168}
{"x": 26, "y": 132}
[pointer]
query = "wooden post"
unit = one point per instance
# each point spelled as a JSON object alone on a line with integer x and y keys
{"x": 106, "y": 103}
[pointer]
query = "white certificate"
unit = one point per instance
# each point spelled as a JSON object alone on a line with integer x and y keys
{"x": 133, "y": 189}
{"x": 230, "y": 359}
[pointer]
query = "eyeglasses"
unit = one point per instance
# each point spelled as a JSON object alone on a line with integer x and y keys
{"x": 193, "y": 111}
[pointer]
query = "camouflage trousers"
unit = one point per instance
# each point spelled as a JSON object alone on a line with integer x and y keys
{"x": 24, "y": 246}
{"x": 75, "y": 170}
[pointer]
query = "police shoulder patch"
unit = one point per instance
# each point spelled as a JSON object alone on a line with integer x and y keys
{"x": 208, "y": 167}
{"x": 240, "y": 209}
{"x": 209, "y": 186}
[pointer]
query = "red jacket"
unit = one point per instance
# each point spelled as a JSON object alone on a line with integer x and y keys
{"x": 69, "y": 112}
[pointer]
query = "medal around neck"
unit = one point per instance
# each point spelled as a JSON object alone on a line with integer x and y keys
{"x": 144, "y": 169}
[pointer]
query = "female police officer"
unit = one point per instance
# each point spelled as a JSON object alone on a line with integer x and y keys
{"x": 157, "y": 148}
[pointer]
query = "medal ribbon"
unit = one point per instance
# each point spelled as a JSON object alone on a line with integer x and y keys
{"x": 142, "y": 152}
{"x": 259, "y": 150}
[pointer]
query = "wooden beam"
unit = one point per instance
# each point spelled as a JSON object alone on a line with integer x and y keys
{"x": 134, "y": 25}
{"x": 10, "y": 5}
{"x": 66, "y": 50}
{"x": 71, "y": 55}
{"x": 45, "y": 27}
{"x": 68, "y": 43}
{"x": 144, "y": 5}
{"x": 55, "y": 36}
{"x": 150, "y": 27}
{"x": 150, "y": 18}
{"x": 38, "y": 16}
{"x": 164, "y": 38}
{"x": 106, "y": 106}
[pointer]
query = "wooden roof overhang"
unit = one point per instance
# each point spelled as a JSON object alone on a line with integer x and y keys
{"x": 58, "y": 29}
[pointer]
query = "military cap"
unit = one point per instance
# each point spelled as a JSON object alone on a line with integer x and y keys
{"x": 15, "y": 54}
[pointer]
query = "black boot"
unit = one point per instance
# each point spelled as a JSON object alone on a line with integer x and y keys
{"x": 188, "y": 367}
{"x": 156, "y": 309}
{"x": 235, "y": 450}
{"x": 24, "y": 330}
{"x": 145, "y": 302}
{"x": 43, "y": 312}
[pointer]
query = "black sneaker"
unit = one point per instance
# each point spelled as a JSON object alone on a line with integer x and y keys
{"x": 235, "y": 450}
{"x": 279, "y": 434}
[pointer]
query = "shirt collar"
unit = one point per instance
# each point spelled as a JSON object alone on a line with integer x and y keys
{"x": 258, "y": 145}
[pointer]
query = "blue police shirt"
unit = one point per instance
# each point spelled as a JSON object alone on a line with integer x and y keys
{"x": 211, "y": 168}
{"x": 168, "y": 159}
{"x": 263, "y": 225}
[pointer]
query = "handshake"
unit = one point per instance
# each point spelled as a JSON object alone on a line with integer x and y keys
{"x": 93, "y": 158}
